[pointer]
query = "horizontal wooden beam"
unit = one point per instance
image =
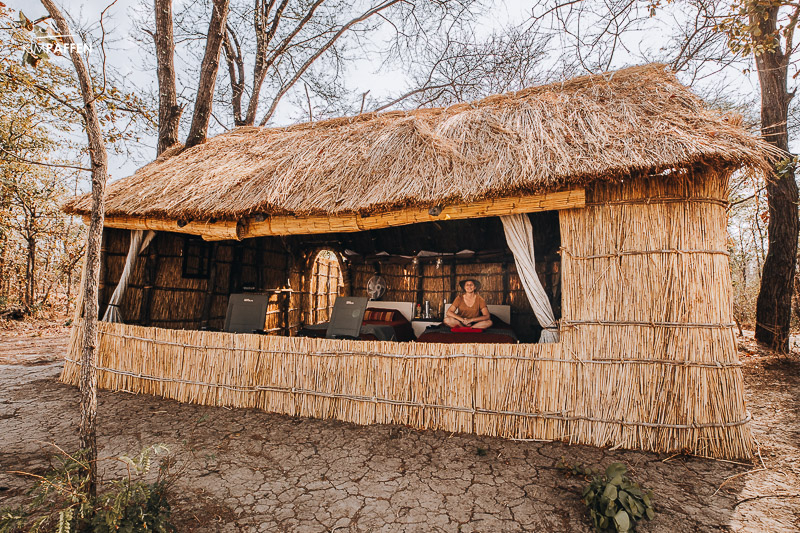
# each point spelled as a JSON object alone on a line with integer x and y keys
{"x": 218, "y": 230}
{"x": 290, "y": 225}
{"x": 347, "y": 223}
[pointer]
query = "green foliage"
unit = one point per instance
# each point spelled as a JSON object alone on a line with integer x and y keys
{"x": 787, "y": 167}
{"x": 745, "y": 24}
{"x": 60, "y": 500}
{"x": 615, "y": 502}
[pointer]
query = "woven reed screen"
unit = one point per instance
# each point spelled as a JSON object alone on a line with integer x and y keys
{"x": 324, "y": 285}
{"x": 647, "y": 360}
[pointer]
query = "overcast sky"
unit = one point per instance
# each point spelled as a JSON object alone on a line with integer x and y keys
{"x": 126, "y": 56}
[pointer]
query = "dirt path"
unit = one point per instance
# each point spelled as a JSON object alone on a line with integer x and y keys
{"x": 252, "y": 471}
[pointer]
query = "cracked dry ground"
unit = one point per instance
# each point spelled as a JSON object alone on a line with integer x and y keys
{"x": 248, "y": 470}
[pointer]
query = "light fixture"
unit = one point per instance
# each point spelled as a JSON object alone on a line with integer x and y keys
{"x": 438, "y": 262}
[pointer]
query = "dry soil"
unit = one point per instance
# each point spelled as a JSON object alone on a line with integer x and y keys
{"x": 247, "y": 470}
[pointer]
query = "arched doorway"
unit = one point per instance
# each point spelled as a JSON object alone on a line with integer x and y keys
{"x": 324, "y": 284}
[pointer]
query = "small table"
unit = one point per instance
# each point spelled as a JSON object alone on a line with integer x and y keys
{"x": 419, "y": 325}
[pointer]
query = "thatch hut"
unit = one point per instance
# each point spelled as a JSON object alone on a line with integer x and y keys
{"x": 623, "y": 178}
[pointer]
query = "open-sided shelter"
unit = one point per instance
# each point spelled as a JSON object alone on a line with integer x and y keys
{"x": 623, "y": 179}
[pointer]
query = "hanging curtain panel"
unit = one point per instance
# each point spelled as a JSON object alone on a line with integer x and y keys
{"x": 519, "y": 235}
{"x": 139, "y": 242}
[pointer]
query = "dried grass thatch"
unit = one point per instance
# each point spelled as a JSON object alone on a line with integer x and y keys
{"x": 601, "y": 127}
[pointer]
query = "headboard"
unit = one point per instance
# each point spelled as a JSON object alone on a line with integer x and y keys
{"x": 406, "y": 308}
{"x": 503, "y": 312}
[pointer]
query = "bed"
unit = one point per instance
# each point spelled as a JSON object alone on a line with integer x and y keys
{"x": 500, "y": 332}
{"x": 383, "y": 321}
{"x": 395, "y": 315}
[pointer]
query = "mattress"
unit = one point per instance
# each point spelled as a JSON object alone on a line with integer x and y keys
{"x": 488, "y": 336}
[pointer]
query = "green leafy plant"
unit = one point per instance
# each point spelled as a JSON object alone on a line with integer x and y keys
{"x": 60, "y": 499}
{"x": 133, "y": 505}
{"x": 615, "y": 502}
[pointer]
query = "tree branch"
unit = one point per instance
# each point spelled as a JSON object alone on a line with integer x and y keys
{"x": 208, "y": 74}
{"x": 319, "y": 52}
{"x": 410, "y": 94}
{"x": 28, "y": 161}
{"x": 260, "y": 75}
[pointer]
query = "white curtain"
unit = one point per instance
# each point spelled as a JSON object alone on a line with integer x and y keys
{"x": 519, "y": 235}
{"x": 139, "y": 242}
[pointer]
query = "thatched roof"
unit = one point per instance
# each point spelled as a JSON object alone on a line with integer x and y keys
{"x": 540, "y": 139}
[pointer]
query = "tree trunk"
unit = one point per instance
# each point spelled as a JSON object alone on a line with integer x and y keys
{"x": 5, "y": 288}
{"x": 169, "y": 112}
{"x": 235, "y": 61}
{"x": 774, "y": 304}
{"x": 69, "y": 291}
{"x": 99, "y": 162}
{"x": 208, "y": 74}
{"x": 30, "y": 274}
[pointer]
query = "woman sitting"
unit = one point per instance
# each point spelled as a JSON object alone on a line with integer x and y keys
{"x": 469, "y": 309}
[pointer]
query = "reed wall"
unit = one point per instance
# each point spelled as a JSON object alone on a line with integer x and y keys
{"x": 647, "y": 357}
{"x": 160, "y": 293}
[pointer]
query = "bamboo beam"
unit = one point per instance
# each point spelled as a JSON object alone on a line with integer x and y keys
{"x": 347, "y": 223}
{"x": 219, "y": 230}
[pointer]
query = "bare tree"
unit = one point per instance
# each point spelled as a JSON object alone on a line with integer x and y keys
{"x": 169, "y": 112}
{"x": 99, "y": 170}
{"x": 208, "y": 74}
{"x": 272, "y": 45}
{"x": 763, "y": 30}
{"x": 289, "y": 38}
{"x": 456, "y": 66}
{"x": 598, "y": 35}
{"x": 163, "y": 41}
{"x": 770, "y": 37}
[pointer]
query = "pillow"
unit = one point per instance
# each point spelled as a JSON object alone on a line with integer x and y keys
{"x": 498, "y": 322}
{"x": 464, "y": 329}
{"x": 379, "y": 315}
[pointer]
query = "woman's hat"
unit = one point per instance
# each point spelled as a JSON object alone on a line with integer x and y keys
{"x": 475, "y": 281}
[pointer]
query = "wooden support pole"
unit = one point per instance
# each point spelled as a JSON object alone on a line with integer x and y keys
{"x": 235, "y": 277}
{"x": 453, "y": 281}
{"x": 285, "y": 298}
{"x": 150, "y": 275}
{"x": 208, "y": 299}
{"x": 349, "y": 271}
{"x": 505, "y": 281}
{"x": 260, "y": 264}
{"x": 328, "y": 302}
{"x": 419, "y": 277}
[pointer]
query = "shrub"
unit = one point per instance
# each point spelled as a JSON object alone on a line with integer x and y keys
{"x": 60, "y": 499}
{"x": 615, "y": 502}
